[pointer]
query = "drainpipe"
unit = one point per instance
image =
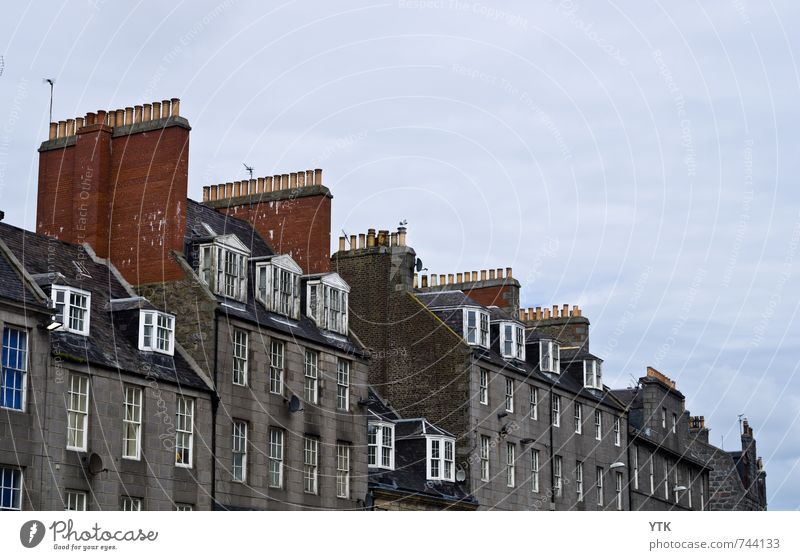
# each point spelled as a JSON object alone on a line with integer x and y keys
{"x": 214, "y": 407}
{"x": 552, "y": 455}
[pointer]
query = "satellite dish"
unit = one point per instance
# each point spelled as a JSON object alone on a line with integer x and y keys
{"x": 294, "y": 404}
{"x": 461, "y": 476}
{"x": 418, "y": 264}
{"x": 94, "y": 464}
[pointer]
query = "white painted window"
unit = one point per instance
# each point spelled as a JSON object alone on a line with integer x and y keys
{"x": 618, "y": 489}
{"x": 549, "y": 356}
{"x": 156, "y": 332}
{"x": 483, "y": 390}
{"x": 342, "y": 470}
{"x": 635, "y": 467}
{"x": 441, "y": 458}
{"x": 72, "y": 308}
{"x": 666, "y": 479}
{"x": 617, "y": 431}
{"x": 310, "y": 464}
{"x": 240, "y": 344}
{"x": 239, "y": 451}
{"x": 74, "y": 500}
{"x": 131, "y": 504}
{"x": 278, "y": 285}
{"x": 380, "y": 445}
{"x": 598, "y": 425}
{"x": 132, "y": 423}
{"x": 592, "y": 374}
{"x": 476, "y": 327}
{"x": 578, "y": 418}
{"x": 276, "y": 349}
{"x": 184, "y": 431}
{"x": 579, "y": 480}
{"x": 512, "y": 341}
{"x": 327, "y": 303}
{"x": 77, "y": 412}
{"x": 223, "y": 267}
{"x": 534, "y": 412}
{"x": 14, "y": 378}
{"x": 485, "y": 447}
{"x": 677, "y": 483}
{"x": 511, "y": 452}
{"x": 652, "y": 475}
{"x": 342, "y": 384}
{"x": 275, "y": 458}
{"x": 558, "y": 482}
{"x": 534, "y": 470}
{"x": 664, "y": 418}
{"x": 674, "y": 423}
{"x": 555, "y": 413}
{"x": 311, "y": 387}
{"x": 184, "y": 507}
{"x": 509, "y": 395}
{"x": 689, "y": 488}
{"x": 10, "y": 488}
{"x": 600, "y": 476}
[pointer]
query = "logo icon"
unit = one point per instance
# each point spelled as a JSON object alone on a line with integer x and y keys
{"x": 31, "y": 533}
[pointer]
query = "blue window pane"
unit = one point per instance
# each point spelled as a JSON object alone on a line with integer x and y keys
{"x": 14, "y": 356}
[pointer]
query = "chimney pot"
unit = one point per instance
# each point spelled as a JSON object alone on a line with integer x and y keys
{"x": 70, "y": 127}
{"x": 491, "y": 274}
{"x": 394, "y": 239}
{"x": 353, "y": 242}
{"x": 301, "y": 179}
{"x": 228, "y": 190}
{"x": 341, "y": 243}
{"x": 128, "y": 116}
{"x": 78, "y": 123}
{"x": 206, "y": 193}
{"x": 62, "y": 129}
{"x": 147, "y": 114}
{"x": 237, "y": 188}
{"x": 284, "y": 181}
{"x": 176, "y": 107}
{"x": 450, "y": 279}
{"x": 309, "y": 177}
{"x": 318, "y": 176}
{"x": 483, "y": 274}
{"x": 165, "y": 108}
{"x": 53, "y": 133}
{"x": 531, "y": 313}
{"x": 137, "y": 113}
{"x": 459, "y": 277}
{"x": 499, "y": 273}
{"x": 433, "y": 280}
{"x": 401, "y": 236}
{"x": 383, "y": 235}
{"x": 370, "y": 238}
{"x": 538, "y": 313}
{"x": 416, "y": 280}
{"x": 362, "y": 240}
{"x": 555, "y": 311}
{"x": 260, "y": 185}
{"x": 120, "y": 118}
{"x": 292, "y": 180}
{"x": 565, "y": 311}
{"x": 268, "y": 184}
{"x": 424, "y": 280}
{"x": 442, "y": 279}
{"x": 508, "y": 272}
{"x": 547, "y": 313}
{"x": 156, "y": 110}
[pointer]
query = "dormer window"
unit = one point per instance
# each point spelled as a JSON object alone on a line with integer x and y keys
{"x": 223, "y": 267}
{"x": 326, "y": 302}
{"x": 592, "y": 374}
{"x": 441, "y": 457}
{"x": 72, "y": 308}
{"x": 476, "y": 327}
{"x": 380, "y": 445}
{"x": 549, "y": 356}
{"x": 512, "y": 341}
{"x": 278, "y": 285}
{"x": 156, "y": 332}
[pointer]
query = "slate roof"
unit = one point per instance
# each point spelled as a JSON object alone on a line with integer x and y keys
{"x": 447, "y": 298}
{"x": 222, "y": 224}
{"x": 113, "y": 339}
{"x": 12, "y": 285}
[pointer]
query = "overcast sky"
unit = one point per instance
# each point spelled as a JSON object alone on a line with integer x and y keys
{"x": 639, "y": 159}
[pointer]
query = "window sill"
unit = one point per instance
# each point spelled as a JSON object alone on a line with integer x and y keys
{"x": 12, "y": 409}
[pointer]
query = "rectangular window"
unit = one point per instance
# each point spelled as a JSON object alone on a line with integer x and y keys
{"x": 485, "y": 446}
{"x": 555, "y": 413}
{"x": 327, "y": 306}
{"x": 184, "y": 507}
{"x": 484, "y": 332}
{"x": 310, "y": 464}
{"x": 483, "y": 390}
{"x": 156, "y": 332}
{"x": 549, "y": 356}
{"x": 652, "y": 475}
{"x": 224, "y": 270}
{"x": 635, "y": 467}
{"x": 275, "y": 458}
{"x": 534, "y": 470}
{"x": 132, "y": 423}
{"x": 689, "y": 487}
{"x": 617, "y": 430}
{"x": 239, "y": 450}
{"x": 578, "y": 418}
{"x": 579, "y": 480}
{"x": 77, "y": 412}
{"x": 519, "y": 342}
{"x": 666, "y": 479}
{"x": 702, "y": 494}
{"x": 276, "y": 367}
{"x": 74, "y": 500}
{"x": 285, "y": 291}
{"x": 72, "y": 308}
{"x": 511, "y": 452}
{"x": 558, "y": 484}
{"x": 600, "y": 486}
{"x": 592, "y": 376}
{"x": 677, "y": 483}
{"x": 534, "y": 403}
{"x": 512, "y": 342}
{"x": 664, "y": 418}
{"x": 618, "y": 490}
{"x": 342, "y": 384}
{"x": 239, "y": 357}
{"x": 380, "y": 445}
{"x": 476, "y": 327}
{"x": 342, "y": 470}
{"x": 10, "y": 488}
{"x": 508, "y": 340}
{"x": 674, "y": 423}
{"x": 509, "y": 395}
{"x": 311, "y": 388}
{"x": 598, "y": 425}
{"x": 440, "y": 459}
{"x": 15, "y": 368}
{"x": 184, "y": 432}
{"x": 131, "y": 504}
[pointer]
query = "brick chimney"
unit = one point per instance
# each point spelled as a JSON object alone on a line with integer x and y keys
{"x": 292, "y": 212}
{"x": 488, "y": 287}
{"x": 117, "y": 180}
{"x": 565, "y": 324}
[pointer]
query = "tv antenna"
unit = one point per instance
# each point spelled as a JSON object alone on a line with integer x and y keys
{"x": 249, "y": 169}
{"x": 52, "y": 82}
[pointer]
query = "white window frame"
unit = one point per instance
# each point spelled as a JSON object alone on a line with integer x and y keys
{"x": 184, "y": 507}
{"x": 152, "y": 327}
{"x": 664, "y": 417}
{"x": 578, "y": 417}
{"x": 617, "y": 431}
{"x": 511, "y": 459}
{"x": 677, "y": 482}
{"x": 635, "y": 467}
{"x": 480, "y": 335}
{"x": 64, "y": 309}
{"x": 320, "y": 303}
{"x": 674, "y": 423}
{"x": 77, "y": 415}
{"x": 311, "y": 376}
{"x": 512, "y": 335}
{"x": 239, "y": 350}
{"x": 509, "y": 394}
{"x": 379, "y": 443}
{"x": 271, "y": 288}
{"x": 592, "y": 374}
{"x": 441, "y": 454}
{"x": 311, "y": 465}
{"x": 129, "y": 503}
{"x": 215, "y": 274}
{"x": 666, "y": 479}
{"x": 277, "y": 351}
{"x": 534, "y": 403}
{"x": 558, "y": 483}
{"x": 618, "y": 489}
{"x": 598, "y": 425}
{"x": 75, "y": 500}
{"x": 342, "y": 384}
{"x": 184, "y": 431}
{"x": 485, "y": 451}
{"x": 133, "y": 405}
{"x": 579, "y": 480}
{"x": 239, "y": 451}
{"x": 555, "y": 411}
{"x": 535, "y": 466}
{"x": 483, "y": 386}
{"x": 20, "y": 367}
{"x": 275, "y": 454}
{"x": 549, "y": 356}
{"x": 652, "y": 475}
{"x": 342, "y": 470}
{"x": 11, "y": 480}
{"x": 600, "y": 497}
